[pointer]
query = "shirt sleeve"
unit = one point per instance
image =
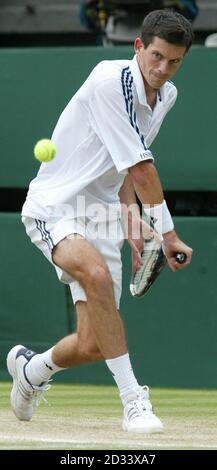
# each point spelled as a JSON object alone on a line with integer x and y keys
{"x": 115, "y": 122}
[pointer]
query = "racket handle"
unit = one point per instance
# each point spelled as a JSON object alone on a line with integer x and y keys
{"x": 180, "y": 258}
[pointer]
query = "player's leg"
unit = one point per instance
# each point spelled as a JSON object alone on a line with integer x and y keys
{"x": 85, "y": 264}
{"x": 80, "y": 347}
{"x": 75, "y": 349}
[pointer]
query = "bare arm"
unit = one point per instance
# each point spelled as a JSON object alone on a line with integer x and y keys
{"x": 147, "y": 183}
{"x": 131, "y": 220}
{"x": 136, "y": 230}
{"x": 130, "y": 207}
{"x": 148, "y": 188}
{"x": 127, "y": 194}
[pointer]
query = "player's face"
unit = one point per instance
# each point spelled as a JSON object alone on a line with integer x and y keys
{"x": 159, "y": 61}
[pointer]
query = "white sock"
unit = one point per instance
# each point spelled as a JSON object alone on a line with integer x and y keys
{"x": 41, "y": 367}
{"x": 123, "y": 374}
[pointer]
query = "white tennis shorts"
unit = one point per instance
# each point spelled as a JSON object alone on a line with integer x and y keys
{"x": 108, "y": 240}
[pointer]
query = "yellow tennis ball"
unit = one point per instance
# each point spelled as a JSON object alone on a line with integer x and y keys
{"x": 45, "y": 150}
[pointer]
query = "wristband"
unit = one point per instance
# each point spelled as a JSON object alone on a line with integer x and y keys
{"x": 160, "y": 217}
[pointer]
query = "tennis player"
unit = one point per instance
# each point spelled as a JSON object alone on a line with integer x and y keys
{"x": 73, "y": 208}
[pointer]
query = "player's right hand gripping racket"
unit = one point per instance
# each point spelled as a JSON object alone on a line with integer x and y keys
{"x": 154, "y": 261}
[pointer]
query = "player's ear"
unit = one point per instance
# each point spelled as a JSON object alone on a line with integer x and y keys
{"x": 138, "y": 44}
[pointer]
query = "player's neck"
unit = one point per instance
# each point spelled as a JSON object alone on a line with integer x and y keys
{"x": 151, "y": 95}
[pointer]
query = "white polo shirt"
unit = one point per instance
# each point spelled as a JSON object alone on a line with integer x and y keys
{"x": 106, "y": 128}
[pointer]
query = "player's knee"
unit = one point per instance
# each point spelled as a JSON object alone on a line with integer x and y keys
{"x": 100, "y": 279}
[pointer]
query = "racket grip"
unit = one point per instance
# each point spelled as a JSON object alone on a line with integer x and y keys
{"x": 180, "y": 258}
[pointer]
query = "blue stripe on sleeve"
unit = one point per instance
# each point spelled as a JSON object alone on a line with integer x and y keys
{"x": 127, "y": 83}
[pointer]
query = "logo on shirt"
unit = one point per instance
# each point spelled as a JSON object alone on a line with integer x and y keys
{"x": 146, "y": 155}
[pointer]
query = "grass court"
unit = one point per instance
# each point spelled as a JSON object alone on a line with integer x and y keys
{"x": 88, "y": 417}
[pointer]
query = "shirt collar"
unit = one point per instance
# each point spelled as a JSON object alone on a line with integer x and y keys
{"x": 139, "y": 84}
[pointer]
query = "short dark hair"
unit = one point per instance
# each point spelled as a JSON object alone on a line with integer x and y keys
{"x": 168, "y": 25}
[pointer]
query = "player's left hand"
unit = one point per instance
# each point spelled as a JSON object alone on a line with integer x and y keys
{"x": 138, "y": 232}
{"x": 172, "y": 245}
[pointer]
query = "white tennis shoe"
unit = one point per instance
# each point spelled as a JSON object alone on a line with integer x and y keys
{"x": 138, "y": 413}
{"x": 24, "y": 395}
